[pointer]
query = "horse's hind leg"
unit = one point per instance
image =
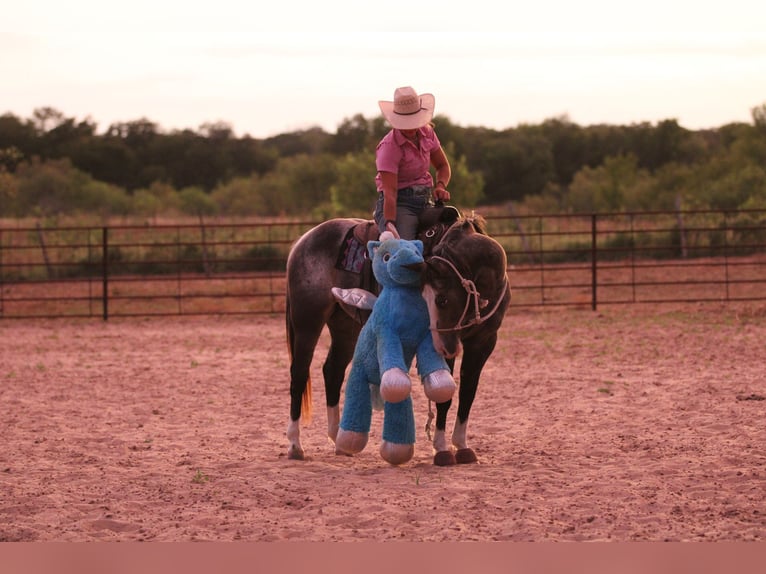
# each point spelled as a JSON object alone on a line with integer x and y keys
{"x": 344, "y": 332}
{"x": 302, "y": 339}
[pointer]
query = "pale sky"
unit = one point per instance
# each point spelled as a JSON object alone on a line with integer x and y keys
{"x": 272, "y": 67}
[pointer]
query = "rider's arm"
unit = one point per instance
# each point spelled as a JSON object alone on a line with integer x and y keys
{"x": 443, "y": 174}
{"x": 389, "y": 182}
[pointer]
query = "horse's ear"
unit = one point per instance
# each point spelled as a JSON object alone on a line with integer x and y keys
{"x": 372, "y": 246}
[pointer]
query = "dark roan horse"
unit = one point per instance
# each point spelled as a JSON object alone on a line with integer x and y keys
{"x": 465, "y": 285}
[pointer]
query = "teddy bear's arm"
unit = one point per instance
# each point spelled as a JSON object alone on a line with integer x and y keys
{"x": 428, "y": 359}
{"x": 390, "y": 351}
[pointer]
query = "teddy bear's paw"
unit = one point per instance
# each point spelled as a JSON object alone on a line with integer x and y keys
{"x": 394, "y": 453}
{"x": 395, "y": 385}
{"x": 439, "y": 386}
{"x": 350, "y": 442}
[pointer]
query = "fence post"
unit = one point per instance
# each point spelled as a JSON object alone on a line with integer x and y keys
{"x": 593, "y": 262}
{"x": 41, "y": 239}
{"x": 105, "y": 271}
{"x": 681, "y": 228}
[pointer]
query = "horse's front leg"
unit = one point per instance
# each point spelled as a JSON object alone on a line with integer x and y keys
{"x": 444, "y": 456}
{"x": 475, "y": 355}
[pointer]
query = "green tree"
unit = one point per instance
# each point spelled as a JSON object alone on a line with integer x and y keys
{"x": 298, "y": 184}
{"x": 515, "y": 164}
{"x": 239, "y": 196}
{"x": 354, "y": 135}
{"x": 146, "y": 204}
{"x": 49, "y": 188}
{"x": 194, "y": 201}
{"x": 103, "y": 198}
{"x": 466, "y": 186}
{"x": 353, "y": 193}
{"x": 9, "y": 194}
{"x": 759, "y": 117}
{"x": 616, "y": 185}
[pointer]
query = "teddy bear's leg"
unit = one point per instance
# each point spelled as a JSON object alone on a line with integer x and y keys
{"x": 439, "y": 386}
{"x": 357, "y": 415}
{"x": 398, "y": 444}
{"x": 395, "y": 385}
{"x": 350, "y": 442}
{"x": 396, "y": 454}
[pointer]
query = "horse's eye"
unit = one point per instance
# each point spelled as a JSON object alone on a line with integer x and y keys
{"x": 386, "y": 256}
{"x": 441, "y": 301}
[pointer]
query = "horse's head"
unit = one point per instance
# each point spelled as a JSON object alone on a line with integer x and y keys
{"x": 464, "y": 283}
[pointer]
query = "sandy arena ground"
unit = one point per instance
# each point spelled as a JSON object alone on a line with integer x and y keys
{"x": 633, "y": 423}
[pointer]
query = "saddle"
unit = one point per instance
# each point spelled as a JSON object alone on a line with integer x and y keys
{"x": 353, "y": 256}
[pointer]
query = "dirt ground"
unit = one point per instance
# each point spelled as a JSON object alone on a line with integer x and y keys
{"x": 633, "y": 423}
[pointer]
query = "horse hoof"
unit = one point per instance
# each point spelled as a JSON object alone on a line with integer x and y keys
{"x": 396, "y": 454}
{"x": 465, "y": 456}
{"x": 444, "y": 458}
{"x": 296, "y": 453}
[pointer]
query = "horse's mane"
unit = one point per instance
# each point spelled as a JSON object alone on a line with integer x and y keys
{"x": 475, "y": 220}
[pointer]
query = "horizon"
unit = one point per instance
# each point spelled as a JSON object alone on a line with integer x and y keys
{"x": 303, "y": 65}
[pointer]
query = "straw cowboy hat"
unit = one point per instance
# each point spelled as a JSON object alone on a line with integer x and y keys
{"x": 409, "y": 110}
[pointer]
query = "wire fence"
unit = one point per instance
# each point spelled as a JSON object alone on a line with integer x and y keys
{"x": 239, "y": 268}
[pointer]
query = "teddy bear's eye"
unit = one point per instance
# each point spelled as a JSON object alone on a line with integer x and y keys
{"x": 386, "y": 256}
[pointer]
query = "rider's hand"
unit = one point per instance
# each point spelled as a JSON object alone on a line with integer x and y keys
{"x": 440, "y": 192}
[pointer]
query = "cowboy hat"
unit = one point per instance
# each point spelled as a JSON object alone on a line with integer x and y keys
{"x": 409, "y": 110}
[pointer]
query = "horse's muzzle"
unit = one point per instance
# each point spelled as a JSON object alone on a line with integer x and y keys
{"x": 446, "y": 344}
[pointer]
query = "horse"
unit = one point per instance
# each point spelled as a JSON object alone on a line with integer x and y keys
{"x": 465, "y": 286}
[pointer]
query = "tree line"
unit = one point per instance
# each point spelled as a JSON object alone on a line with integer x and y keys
{"x": 54, "y": 165}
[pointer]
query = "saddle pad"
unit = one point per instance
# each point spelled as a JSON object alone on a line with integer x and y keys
{"x": 352, "y": 254}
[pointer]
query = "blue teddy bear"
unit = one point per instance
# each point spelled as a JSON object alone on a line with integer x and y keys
{"x": 396, "y": 331}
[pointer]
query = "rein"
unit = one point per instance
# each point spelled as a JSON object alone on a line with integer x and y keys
{"x": 472, "y": 295}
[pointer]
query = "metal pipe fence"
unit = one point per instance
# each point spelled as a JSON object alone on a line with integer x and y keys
{"x": 215, "y": 268}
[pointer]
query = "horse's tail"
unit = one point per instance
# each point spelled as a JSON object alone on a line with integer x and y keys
{"x": 306, "y": 402}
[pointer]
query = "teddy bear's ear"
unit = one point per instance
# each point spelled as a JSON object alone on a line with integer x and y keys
{"x": 418, "y": 245}
{"x": 372, "y": 246}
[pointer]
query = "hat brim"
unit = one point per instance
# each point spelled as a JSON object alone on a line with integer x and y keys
{"x": 409, "y": 121}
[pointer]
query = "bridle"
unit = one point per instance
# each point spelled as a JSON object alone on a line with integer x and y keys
{"x": 472, "y": 295}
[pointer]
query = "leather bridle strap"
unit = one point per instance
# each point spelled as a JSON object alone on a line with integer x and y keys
{"x": 472, "y": 295}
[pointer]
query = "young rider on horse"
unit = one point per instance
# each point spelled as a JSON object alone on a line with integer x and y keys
{"x": 403, "y": 159}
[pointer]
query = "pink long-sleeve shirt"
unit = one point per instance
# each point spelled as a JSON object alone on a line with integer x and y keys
{"x": 396, "y": 154}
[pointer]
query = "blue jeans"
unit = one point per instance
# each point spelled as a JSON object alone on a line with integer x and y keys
{"x": 410, "y": 202}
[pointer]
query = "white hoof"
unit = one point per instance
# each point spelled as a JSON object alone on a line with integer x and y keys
{"x": 395, "y": 454}
{"x": 439, "y": 386}
{"x": 395, "y": 385}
